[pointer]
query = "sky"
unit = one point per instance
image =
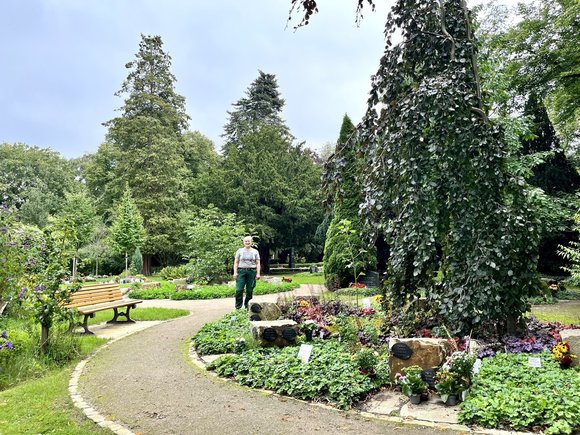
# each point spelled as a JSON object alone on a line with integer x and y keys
{"x": 63, "y": 60}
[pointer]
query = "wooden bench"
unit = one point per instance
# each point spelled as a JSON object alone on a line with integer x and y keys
{"x": 100, "y": 297}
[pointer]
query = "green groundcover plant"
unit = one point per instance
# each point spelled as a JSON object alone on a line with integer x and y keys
{"x": 167, "y": 291}
{"x": 221, "y": 336}
{"x": 507, "y": 393}
{"x": 331, "y": 374}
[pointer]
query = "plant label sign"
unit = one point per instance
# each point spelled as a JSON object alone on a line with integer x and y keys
{"x": 304, "y": 352}
{"x": 534, "y": 362}
{"x": 366, "y": 303}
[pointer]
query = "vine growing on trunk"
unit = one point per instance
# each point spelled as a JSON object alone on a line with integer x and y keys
{"x": 437, "y": 185}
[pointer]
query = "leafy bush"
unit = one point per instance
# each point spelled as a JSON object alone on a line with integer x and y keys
{"x": 222, "y": 336}
{"x": 174, "y": 272}
{"x": 331, "y": 373}
{"x": 507, "y": 393}
{"x": 167, "y": 291}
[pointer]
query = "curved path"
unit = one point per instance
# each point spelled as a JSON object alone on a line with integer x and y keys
{"x": 147, "y": 383}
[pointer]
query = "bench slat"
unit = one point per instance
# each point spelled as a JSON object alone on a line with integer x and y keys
{"x": 89, "y": 309}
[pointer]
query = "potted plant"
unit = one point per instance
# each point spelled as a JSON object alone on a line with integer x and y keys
{"x": 308, "y": 328}
{"x": 454, "y": 378}
{"x": 561, "y": 352}
{"x": 411, "y": 383}
{"x": 449, "y": 386}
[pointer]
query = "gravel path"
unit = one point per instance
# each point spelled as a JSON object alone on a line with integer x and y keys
{"x": 147, "y": 383}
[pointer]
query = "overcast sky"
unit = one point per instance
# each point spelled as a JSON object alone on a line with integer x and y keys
{"x": 62, "y": 61}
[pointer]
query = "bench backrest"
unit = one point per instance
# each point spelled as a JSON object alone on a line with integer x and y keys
{"x": 95, "y": 294}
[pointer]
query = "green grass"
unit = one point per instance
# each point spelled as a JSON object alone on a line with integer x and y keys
{"x": 44, "y": 406}
{"x": 141, "y": 314}
{"x": 564, "y": 312}
{"x": 306, "y": 278}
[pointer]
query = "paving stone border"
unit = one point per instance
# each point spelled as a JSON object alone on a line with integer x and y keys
{"x": 201, "y": 363}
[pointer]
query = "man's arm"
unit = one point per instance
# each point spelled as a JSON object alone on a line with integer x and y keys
{"x": 236, "y": 266}
{"x": 258, "y": 268}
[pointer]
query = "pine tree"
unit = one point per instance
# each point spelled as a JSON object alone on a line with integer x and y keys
{"x": 146, "y": 145}
{"x": 261, "y": 106}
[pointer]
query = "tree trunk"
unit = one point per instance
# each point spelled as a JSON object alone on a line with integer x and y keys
{"x": 147, "y": 264}
{"x": 291, "y": 259}
{"x": 264, "y": 258}
{"x": 43, "y": 338}
{"x": 126, "y": 260}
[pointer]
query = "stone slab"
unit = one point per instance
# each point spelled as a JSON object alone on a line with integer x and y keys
{"x": 384, "y": 403}
{"x": 431, "y": 410}
{"x": 426, "y": 353}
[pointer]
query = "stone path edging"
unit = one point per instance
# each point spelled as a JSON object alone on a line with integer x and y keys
{"x": 79, "y": 402}
{"x": 198, "y": 363}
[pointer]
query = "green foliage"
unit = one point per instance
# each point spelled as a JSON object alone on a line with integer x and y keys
{"x": 331, "y": 374}
{"x": 33, "y": 181}
{"x": 347, "y": 256}
{"x": 572, "y": 254}
{"x": 213, "y": 237}
{"x": 437, "y": 184}
{"x": 126, "y": 232}
{"x": 410, "y": 381}
{"x": 144, "y": 150}
{"x": 346, "y": 252}
{"x": 271, "y": 183}
{"x": 175, "y": 272}
{"x": 167, "y": 291}
{"x": 136, "y": 262}
{"x": 13, "y": 253}
{"x": 507, "y": 392}
{"x": 221, "y": 336}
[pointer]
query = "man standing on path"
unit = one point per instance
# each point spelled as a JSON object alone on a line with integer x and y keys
{"x": 246, "y": 271}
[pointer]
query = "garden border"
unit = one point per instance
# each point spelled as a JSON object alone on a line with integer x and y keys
{"x": 201, "y": 364}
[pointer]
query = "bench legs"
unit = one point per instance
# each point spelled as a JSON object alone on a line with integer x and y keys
{"x": 84, "y": 324}
{"x": 126, "y": 314}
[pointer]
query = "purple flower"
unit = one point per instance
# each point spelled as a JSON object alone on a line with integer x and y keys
{"x": 9, "y": 345}
{"x": 21, "y": 294}
{"x": 4, "y": 334}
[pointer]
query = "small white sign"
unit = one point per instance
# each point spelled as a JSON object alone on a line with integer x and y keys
{"x": 366, "y": 303}
{"x": 304, "y": 352}
{"x": 534, "y": 362}
{"x": 321, "y": 334}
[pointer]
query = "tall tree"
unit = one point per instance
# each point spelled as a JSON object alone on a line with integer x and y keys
{"x": 267, "y": 180}
{"x": 79, "y": 211}
{"x": 33, "y": 181}
{"x": 262, "y": 105}
{"x": 437, "y": 183}
{"x": 144, "y": 148}
{"x": 127, "y": 232}
{"x": 346, "y": 199}
{"x": 542, "y": 58}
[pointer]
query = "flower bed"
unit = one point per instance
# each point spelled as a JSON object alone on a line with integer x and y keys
{"x": 508, "y": 394}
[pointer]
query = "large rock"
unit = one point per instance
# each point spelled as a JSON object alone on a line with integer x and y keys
{"x": 425, "y": 352}
{"x": 263, "y": 311}
{"x": 572, "y": 337}
{"x": 275, "y": 332}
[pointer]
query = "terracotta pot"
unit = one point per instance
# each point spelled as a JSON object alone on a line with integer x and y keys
{"x": 565, "y": 365}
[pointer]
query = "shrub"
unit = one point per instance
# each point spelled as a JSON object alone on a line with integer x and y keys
{"x": 174, "y": 272}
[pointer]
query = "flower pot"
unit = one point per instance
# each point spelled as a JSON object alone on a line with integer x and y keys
{"x": 565, "y": 365}
{"x": 451, "y": 400}
{"x": 308, "y": 335}
{"x": 415, "y": 399}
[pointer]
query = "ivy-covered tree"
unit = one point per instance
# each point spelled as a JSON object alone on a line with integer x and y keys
{"x": 346, "y": 200}
{"x": 436, "y": 183}
{"x": 127, "y": 232}
{"x": 144, "y": 149}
